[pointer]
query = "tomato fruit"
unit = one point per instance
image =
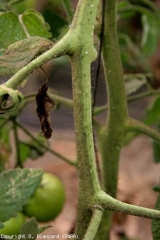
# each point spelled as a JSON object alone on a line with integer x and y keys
{"x": 13, "y": 225}
{"x": 48, "y": 199}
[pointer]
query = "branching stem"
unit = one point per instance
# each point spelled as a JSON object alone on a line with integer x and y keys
{"x": 137, "y": 126}
{"x": 111, "y": 204}
{"x": 94, "y": 224}
{"x": 61, "y": 48}
{"x": 46, "y": 147}
{"x": 55, "y": 97}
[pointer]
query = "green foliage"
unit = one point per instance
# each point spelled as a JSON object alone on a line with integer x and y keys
{"x": 15, "y": 31}
{"x": 21, "y": 6}
{"x": 30, "y": 229}
{"x": 156, "y": 146}
{"x": 132, "y": 84}
{"x": 156, "y": 151}
{"x": 31, "y": 149}
{"x": 30, "y": 23}
{"x": 56, "y": 22}
{"x": 132, "y": 56}
{"x": 5, "y": 147}
{"x": 35, "y": 24}
{"x": 151, "y": 33}
{"x": 16, "y": 186}
{"x": 22, "y": 52}
{"x": 144, "y": 43}
{"x": 152, "y": 112}
{"x": 6, "y": 4}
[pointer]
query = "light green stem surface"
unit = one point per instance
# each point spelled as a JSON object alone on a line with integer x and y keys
{"x": 112, "y": 134}
{"x": 108, "y": 203}
{"x": 140, "y": 127}
{"x": 84, "y": 54}
{"x": 94, "y": 224}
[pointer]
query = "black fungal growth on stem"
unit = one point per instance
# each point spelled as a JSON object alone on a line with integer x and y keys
{"x": 44, "y": 104}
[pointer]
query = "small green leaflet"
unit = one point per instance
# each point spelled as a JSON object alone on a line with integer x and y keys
{"x": 15, "y": 27}
{"x": 11, "y": 29}
{"x": 152, "y": 112}
{"x": 35, "y": 24}
{"x": 133, "y": 83}
{"x": 16, "y": 187}
{"x": 31, "y": 149}
{"x": 156, "y": 151}
{"x": 5, "y": 147}
{"x": 151, "y": 33}
{"x": 21, "y": 53}
{"x": 30, "y": 229}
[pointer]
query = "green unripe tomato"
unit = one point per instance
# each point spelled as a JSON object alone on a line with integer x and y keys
{"x": 13, "y": 225}
{"x": 48, "y": 199}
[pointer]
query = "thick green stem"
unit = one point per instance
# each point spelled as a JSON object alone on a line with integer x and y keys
{"x": 108, "y": 203}
{"x": 61, "y": 48}
{"x": 94, "y": 224}
{"x": 111, "y": 136}
{"x": 88, "y": 183}
{"x": 143, "y": 95}
{"x": 113, "y": 133}
{"x": 84, "y": 54}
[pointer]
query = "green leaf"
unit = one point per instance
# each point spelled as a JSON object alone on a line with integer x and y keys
{"x": 35, "y": 24}
{"x": 151, "y": 33}
{"x": 16, "y": 187}
{"x": 126, "y": 13}
{"x": 35, "y": 149}
{"x": 24, "y": 152}
{"x": 133, "y": 84}
{"x": 156, "y": 146}
{"x": 153, "y": 113}
{"x": 5, "y": 147}
{"x": 31, "y": 149}
{"x": 30, "y": 229}
{"x": 156, "y": 151}
{"x": 156, "y": 223}
{"x": 15, "y": 27}
{"x": 21, "y": 53}
{"x": 157, "y": 188}
{"x": 56, "y": 22}
{"x": 10, "y": 29}
{"x": 132, "y": 56}
{"x": 41, "y": 229}
{"x": 15, "y": 1}
{"x": 146, "y": 3}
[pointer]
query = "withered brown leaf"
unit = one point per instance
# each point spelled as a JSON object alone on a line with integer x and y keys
{"x": 44, "y": 104}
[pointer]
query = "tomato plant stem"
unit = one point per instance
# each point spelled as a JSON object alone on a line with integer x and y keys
{"x": 111, "y": 135}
